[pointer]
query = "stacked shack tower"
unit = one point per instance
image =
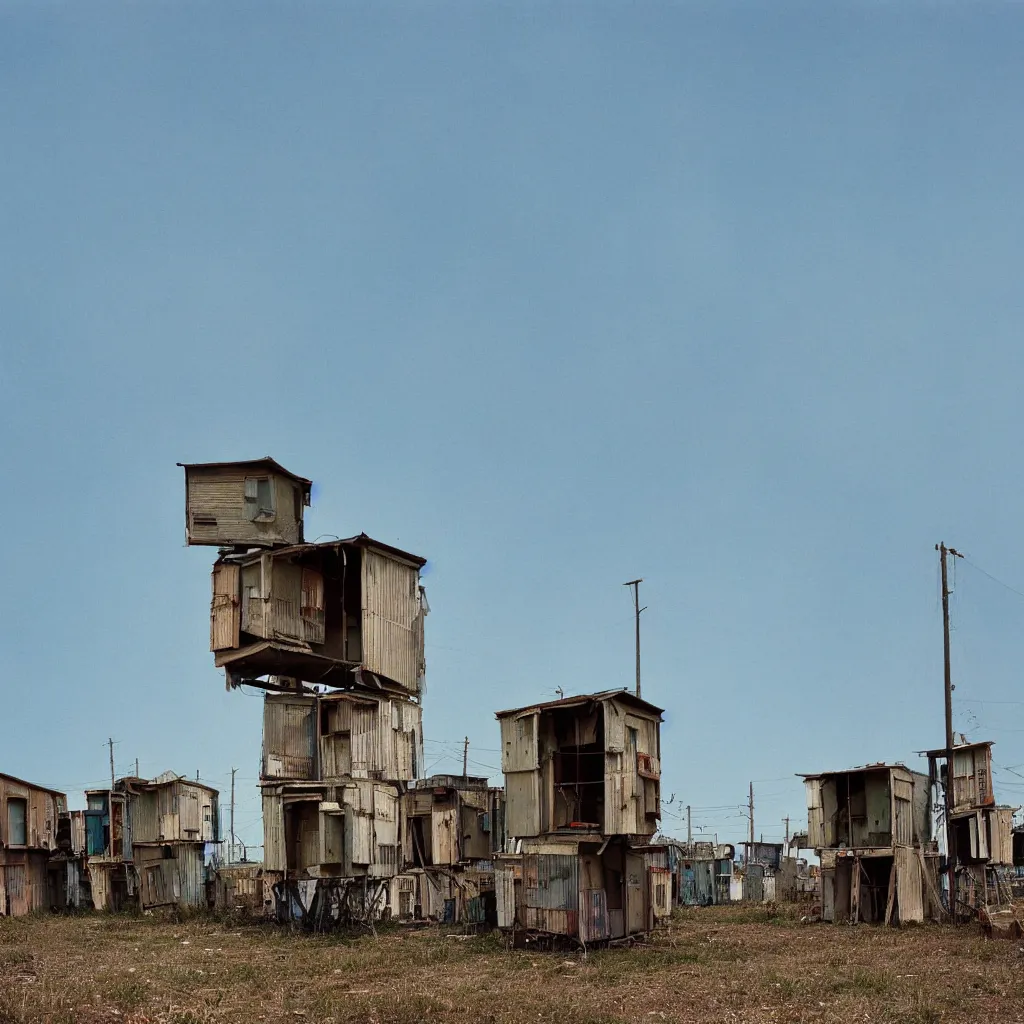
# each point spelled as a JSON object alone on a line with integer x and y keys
{"x": 333, "y": 632}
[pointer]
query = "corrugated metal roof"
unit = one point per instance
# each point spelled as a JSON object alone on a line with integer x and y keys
{"x": 623, "y": 696}
{"x": 360, "y": 540}
{"x": 879, "y": 766}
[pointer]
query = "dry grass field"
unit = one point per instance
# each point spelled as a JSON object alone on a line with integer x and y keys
{"x": 715, "y": 965}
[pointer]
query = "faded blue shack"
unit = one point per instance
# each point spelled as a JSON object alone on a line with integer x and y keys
{"x": 701, "y": 873}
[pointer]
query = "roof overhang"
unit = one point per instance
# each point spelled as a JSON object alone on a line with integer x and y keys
{"x": 266, "y": 463}
{"x": 32, "y": 785}
{"x": 957, "y": 748}
{"x": 361, "y": 540}
{"x": 622, "y": 696}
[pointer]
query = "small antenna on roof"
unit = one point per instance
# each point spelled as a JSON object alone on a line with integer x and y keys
{"x": 560, "y": 692}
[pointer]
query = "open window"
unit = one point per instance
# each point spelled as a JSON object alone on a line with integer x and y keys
{"x": 579, "y": 762}
{"x": 259, "y": 499}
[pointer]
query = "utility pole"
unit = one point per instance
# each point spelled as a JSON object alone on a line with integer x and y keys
{"x": 948, "y": 680}
{"x": 465, "y": 758}
{"x": 110, "y": 744}
{"x": 786, "y": 821}
{"x": 136, "y": 767}
{"x": 635, "y": 584}
{"x": 689, "y": 832}
{"x": 750, "y": 809}
{"x": 231, "y": 838}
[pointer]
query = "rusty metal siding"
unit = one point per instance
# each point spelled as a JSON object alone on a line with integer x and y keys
{"x": 551, "y": 891}
{"x": 289, "y": 737}
{"x": 216, "y": 511}
{"x": 594, "y": 924}
{"x": 23, "y": 883}
{"x": 274, "y": 853}
{"x": 391, "y": 637}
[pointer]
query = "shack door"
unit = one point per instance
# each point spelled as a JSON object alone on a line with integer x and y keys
{"x": 638, "y": 903}
{"x": 225, "y": 607}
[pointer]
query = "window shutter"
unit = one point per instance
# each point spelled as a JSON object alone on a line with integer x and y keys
{"x": 251, "y": 492}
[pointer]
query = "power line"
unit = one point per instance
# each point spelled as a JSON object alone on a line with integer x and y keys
{"x": 994, "y": 579}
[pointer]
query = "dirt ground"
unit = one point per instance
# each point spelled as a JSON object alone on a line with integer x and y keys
{"x": 714, "y": 964}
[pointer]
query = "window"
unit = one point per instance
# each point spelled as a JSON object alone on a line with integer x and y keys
{"x": 259, "y": 499}
{"x": 17, "y": 822}
{"x": 312, "y": 606}
{"x": 633, "y": 739}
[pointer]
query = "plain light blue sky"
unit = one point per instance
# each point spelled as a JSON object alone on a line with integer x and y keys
{"x": 725, "y": 296}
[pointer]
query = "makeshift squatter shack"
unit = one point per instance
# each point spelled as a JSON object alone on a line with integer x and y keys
{"x": 582, "y": 792}
{"x": 871, "y": 829}
{"x": 28, "y": 835}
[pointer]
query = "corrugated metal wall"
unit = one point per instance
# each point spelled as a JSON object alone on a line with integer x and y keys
{"x": 392, "y": 642}
{"x": 274, "y": 855}
{"x": 594, "y": 925}
{"x": 505, "y": 894}
{"x": 551, "y": 892}
{"x": 23, "y": 886}
{"x": 385, "y": 742}
{"x": 285, "y": 609}
{"x": 289, "y": 737}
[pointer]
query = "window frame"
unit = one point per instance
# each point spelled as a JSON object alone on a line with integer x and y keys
{"x": 255, "y": 510}
{"x": 21, "y": 801}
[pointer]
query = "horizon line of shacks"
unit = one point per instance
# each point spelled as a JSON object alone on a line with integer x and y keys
{"x": 333, "y": 632}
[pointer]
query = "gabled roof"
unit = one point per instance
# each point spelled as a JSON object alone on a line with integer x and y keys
{"x": 266, "y": 463}
{"x": 623, "y": 696}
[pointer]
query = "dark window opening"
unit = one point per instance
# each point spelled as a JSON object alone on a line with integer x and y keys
{"x": 579, "y": 768}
